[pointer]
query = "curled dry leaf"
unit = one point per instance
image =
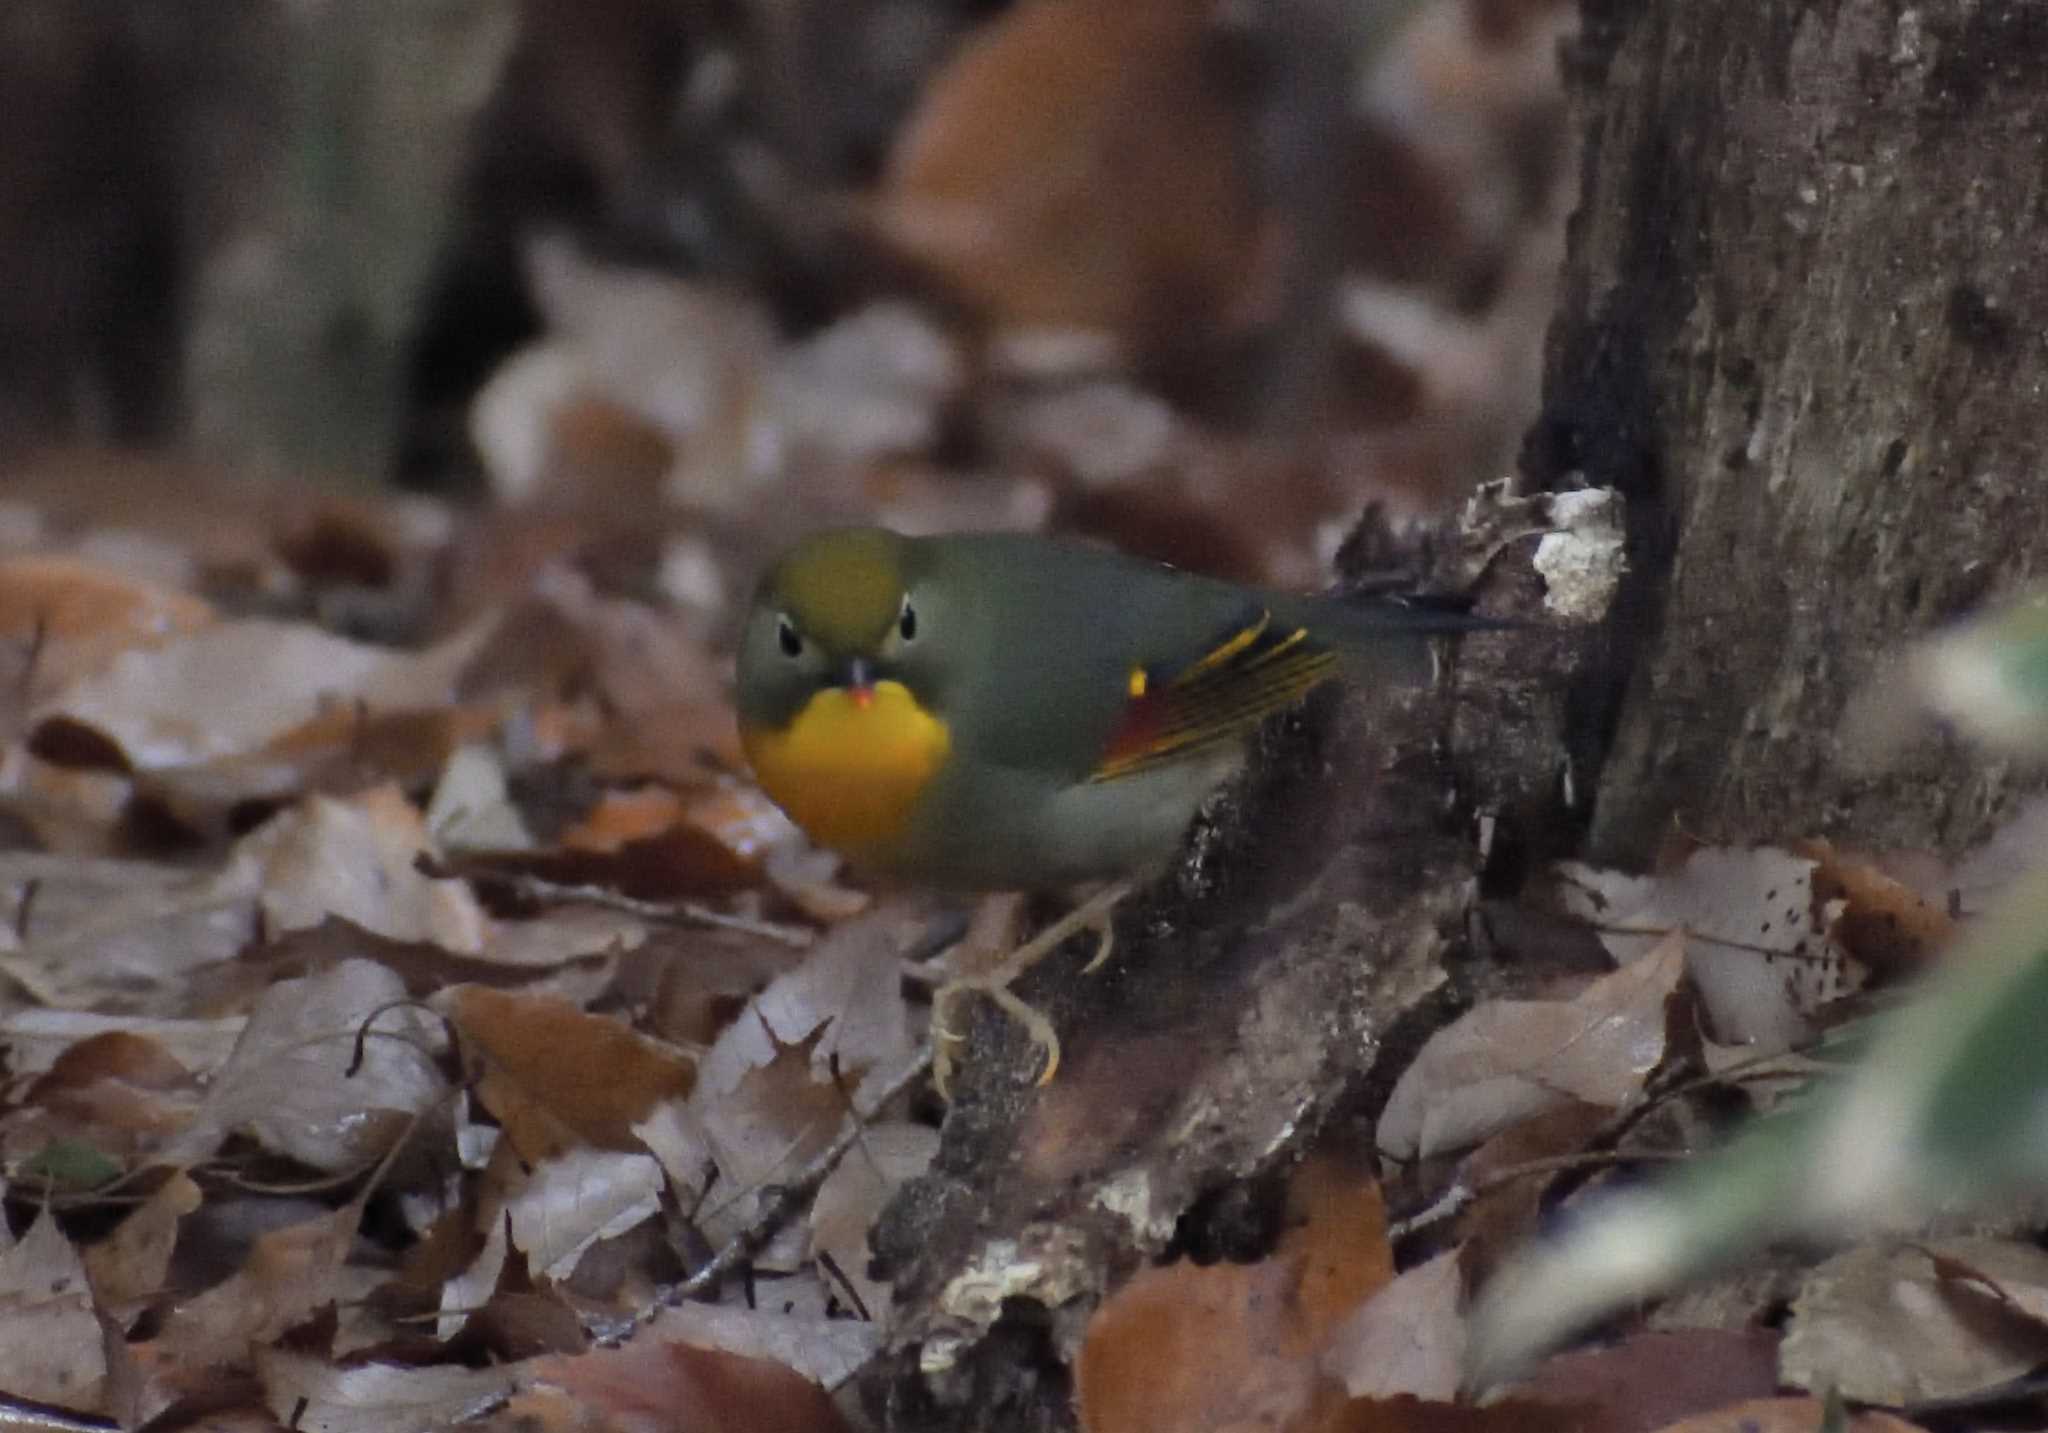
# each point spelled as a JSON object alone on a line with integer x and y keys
{"x": 1508, "y": 1059}
{"x": 1760, "y": 953}
{"x": 1884, "y": 923}
{"x": 472, "y": 805}
{"x": 293, "y": 1081}
{"x": 554, "y": 1076}
{"x": 50, "y": 1344}
{"x": 779, "y": 1079}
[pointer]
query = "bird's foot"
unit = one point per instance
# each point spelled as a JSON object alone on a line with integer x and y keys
{"x": 1092, "y": 914}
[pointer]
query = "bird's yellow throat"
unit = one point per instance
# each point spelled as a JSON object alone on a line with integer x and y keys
{"x": 848, "y": 771}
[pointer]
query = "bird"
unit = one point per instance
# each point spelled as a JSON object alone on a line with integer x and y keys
{"x": 1017, "y": 712}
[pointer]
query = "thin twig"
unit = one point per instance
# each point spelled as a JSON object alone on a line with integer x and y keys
{"x": 786, "y": 1200}
{"x": 1459, "y": 1195}
{"x": 537, "y": 888}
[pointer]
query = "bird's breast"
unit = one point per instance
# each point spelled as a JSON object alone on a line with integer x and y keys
{"x": 851, "y": 772}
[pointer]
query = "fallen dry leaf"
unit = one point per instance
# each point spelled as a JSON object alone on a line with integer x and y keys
{"x": 1760, "y": 954}
{"x": 571, "y": 1200}
{"x": 289, "y": 1275}
{"x": 64, "y": 619}
{"x": 1650, "y": 1379}
{"x": 650, "y": 1385}
{"x": 315, "y": 1396}
{"x": 555, "y": 1076}
{"x": 1243, "y": 1338}
{"x": 1409, "y": 1337}
{"x": 50, "y": 1342}
{"x": 230, "y": 688}
{"x": 1076, "y": 167}
{"x": 828, "y": 1351}
{"x": 294, "y": 1081}
{"x": 1875, "y": 1323}
{"x": 1786, "y": 1415}
{"x": 1506, "y": 1060}
{"x": 851, "y": 1199}
{"x": 130, "y": 1264}
{"x": 357, "y": 859}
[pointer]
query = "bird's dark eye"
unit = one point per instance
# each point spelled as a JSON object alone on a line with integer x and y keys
{"x": 786, "y": 633}
{"x": 906, "y": 625}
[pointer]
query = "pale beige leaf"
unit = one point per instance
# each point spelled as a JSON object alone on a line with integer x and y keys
{"x": 293, "y": 1082}
{"x": 131, "y": 1262}
{"x": 1508, "y": 1059}
{"x": 826, "y": 1351}
{"x": 852, "y": 1196}
{"x": 1875, "y": 1324}
{"x": 50, "y": 1345}
{"x": 311, "y": 1395}
{"x": 229, "y": 688}
{"x": 1761, "y": 958}
{"x": 356, "y": 859}
{"x": 1409, "y": 1338}
{"x": 569, "y": 1202}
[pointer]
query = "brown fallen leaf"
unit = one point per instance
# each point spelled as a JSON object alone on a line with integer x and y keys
{"x": 1650, "y": 1379}
{"x": 650, "y": 1385}
{"x": 1075, "y": 166}
{"x": 1786, "y": 1415}
{"x": 1884, "y": 923}
{"x": 232, "y": 687}
{"x": 1233, "y": 1346}
{"x": 555, "y": 1077}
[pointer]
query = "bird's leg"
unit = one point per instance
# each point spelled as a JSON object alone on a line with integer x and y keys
{"x": 1092, "y": 914}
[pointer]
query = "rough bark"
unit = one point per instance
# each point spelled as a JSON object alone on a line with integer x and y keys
{"x": 1315, "y": 932}
{"x": 1804, "y": 321}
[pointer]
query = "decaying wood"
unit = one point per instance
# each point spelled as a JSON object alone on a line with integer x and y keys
{"x": 1315, "y": 931}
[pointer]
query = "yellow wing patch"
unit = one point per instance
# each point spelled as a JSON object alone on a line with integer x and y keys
{"x": 1220, "y": 697}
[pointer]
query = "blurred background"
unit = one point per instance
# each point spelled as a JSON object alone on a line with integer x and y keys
{"x": 1201, "y": 277}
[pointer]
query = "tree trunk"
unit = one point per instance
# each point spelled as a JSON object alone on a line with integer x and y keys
{"x": 1804, "y": 315}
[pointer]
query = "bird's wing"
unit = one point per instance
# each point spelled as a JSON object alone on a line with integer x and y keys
{"x": 1173, "y": 710}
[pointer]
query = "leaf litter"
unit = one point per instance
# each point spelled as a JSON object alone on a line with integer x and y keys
{"x": 404, "y": 994}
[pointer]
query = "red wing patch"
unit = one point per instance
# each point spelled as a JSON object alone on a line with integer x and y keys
{"x": 1256, "y": 671}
